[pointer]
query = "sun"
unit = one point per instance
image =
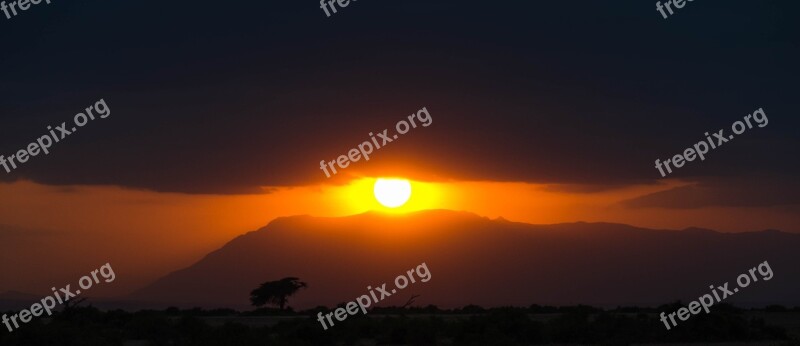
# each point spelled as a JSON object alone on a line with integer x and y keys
{"x": 392, "y": 193}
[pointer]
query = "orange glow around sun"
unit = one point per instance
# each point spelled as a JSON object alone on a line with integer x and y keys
{"x": 393, "y": 195}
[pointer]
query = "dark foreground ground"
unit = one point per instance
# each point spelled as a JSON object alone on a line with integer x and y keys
{"x": 726, "y": 325}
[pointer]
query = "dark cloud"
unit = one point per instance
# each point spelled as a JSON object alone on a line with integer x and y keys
{"x": 226, "y": 98}
{"x": 749, "y": 192}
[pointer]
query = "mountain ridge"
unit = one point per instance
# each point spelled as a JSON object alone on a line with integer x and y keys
{"x": 297, "y": 245}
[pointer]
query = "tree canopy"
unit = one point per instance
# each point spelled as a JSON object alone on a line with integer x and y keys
{"x": 276, "y": 292}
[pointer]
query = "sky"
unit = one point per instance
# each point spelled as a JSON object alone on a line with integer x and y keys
{"x": 543, "y": 112}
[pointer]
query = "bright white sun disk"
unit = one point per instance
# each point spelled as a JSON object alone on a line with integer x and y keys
{"x": 392, "y": 193}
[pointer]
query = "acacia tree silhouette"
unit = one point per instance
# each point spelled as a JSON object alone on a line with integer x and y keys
{"x": 276, "y": 292}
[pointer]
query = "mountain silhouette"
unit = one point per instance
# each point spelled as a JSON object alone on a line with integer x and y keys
{"x": 476, "y": 260}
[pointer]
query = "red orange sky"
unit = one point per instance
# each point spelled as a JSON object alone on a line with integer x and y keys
{"x": 148, "y": 234}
